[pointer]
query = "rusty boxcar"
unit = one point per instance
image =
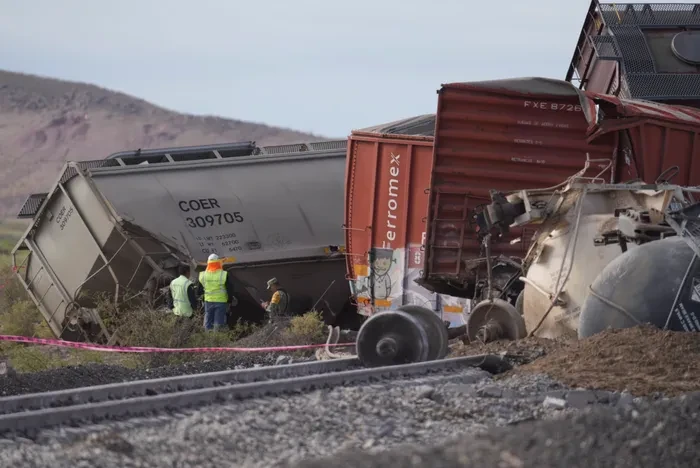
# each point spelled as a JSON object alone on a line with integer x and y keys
{"x": 508, "y": 135}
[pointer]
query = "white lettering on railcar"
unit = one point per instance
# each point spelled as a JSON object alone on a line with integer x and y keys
{"x": 553, "y": 106}
{"x": 529, "y": 160}
{"x": 392, "y": 204}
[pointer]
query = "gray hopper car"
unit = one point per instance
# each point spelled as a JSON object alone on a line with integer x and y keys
{"x": 123, "y": 223}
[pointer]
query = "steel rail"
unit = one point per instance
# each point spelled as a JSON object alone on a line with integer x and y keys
{"x": 130, "y": 389}
{"x": 140, "y": 405}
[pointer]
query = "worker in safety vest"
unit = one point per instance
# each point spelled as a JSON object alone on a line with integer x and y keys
{"x": 217, "y": 290}
{"x": 279, "y": 304}
{"x": 181, "y": 297}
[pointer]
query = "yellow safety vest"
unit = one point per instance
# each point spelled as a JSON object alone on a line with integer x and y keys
{"x": 214, "y": 283}
{"x": 181, "y": 302}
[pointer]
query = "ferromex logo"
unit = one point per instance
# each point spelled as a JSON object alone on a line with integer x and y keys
{"x": 392, "y": 202}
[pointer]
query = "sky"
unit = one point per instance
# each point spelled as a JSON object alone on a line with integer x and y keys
{"x": 321, "y": 66}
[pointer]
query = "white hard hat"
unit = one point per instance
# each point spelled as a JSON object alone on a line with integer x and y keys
{"x": 213, "y": 257}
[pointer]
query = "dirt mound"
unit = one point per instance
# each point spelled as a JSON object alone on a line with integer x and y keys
{"x": 641, "y": 360}
{"x": 515, "y": 352}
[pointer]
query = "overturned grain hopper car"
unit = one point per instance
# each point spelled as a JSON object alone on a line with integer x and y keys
{"x": 509, "y": 135}
{"x": 119, "y": 225}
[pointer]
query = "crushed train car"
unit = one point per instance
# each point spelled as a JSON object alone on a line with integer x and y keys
{"x": 507, "y": 135}
{"x": 503, "y": 136}
{"x": 124, "y": 222}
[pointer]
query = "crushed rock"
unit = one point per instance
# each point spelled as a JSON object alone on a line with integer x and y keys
{"x": 655, "y": 434}
{"x": 643, "y": 361}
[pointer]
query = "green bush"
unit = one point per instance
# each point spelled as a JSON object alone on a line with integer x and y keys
{"x": 30, "y": 358}
{"x": 21, "y": 318}
{"x": 306, "y": 329}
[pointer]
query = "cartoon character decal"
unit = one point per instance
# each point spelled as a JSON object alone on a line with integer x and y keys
{"x": 379, "y": 283}
{"x": 390, "y": 282}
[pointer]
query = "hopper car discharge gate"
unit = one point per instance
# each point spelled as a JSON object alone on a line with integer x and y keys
{"x": 120, "y": 226}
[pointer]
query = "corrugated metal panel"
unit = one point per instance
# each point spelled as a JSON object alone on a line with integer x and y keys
{"x": 661, "y": 137}
{"x": 419, "y": 125}
{"x": 504, "y": 135}
{"x": 32, "y": 205}
{"x": 651, "y": 109}
{"x": 386, "y": 204}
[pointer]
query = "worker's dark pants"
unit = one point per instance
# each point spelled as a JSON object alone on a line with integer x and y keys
{"x": 215, "y": 315}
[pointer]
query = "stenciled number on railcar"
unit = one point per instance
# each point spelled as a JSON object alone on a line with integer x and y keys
{"x": 63, "y": 217}
{"x": 216, "y": 219}
{"x": 555, "y": 106}
{"x": 208, "y": 220}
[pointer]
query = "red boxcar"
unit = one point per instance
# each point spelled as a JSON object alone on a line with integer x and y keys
{"x": 533, "y": 133}
{"x": 386, "y": 197}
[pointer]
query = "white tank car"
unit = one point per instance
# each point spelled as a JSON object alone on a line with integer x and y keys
{"x": 565, "y": 259}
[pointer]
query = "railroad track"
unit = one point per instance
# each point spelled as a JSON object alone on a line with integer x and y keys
{"x": 24, "y": 413}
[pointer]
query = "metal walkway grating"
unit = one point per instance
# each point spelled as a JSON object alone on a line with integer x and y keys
{"x": 32, "y": 205}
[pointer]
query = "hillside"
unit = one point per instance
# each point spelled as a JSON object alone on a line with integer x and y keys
{"x": 44, "y": 122}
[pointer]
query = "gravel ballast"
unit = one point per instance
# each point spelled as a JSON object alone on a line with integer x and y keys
{"x": 645, "y": 434}
{"x": 285, "y": 430}
{"x": 99, "y": 374}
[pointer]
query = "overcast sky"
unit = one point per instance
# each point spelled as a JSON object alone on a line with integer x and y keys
{"x": 323, "y": 66}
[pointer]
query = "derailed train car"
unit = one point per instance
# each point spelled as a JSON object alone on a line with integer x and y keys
{"x": 123, "y": 223}
{"x": 534, "y": 133}
{"x": 386, "y": 200}
{"x": 493, "y": 139}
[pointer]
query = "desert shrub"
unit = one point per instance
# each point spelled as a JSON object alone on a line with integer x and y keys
{"x": 21, "y": 318}
{"x": 29, "y": 358}
{"x": 18, "y": 314}
{"x": 145, "y": 326}
{"x": 11, "y": 289}
{"x": 306, "y": 329}
{"x": 138, "y": 324}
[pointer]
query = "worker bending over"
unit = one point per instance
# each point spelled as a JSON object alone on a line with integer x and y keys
{"x": 181, "y": 297}
{"x": 217, "y": 290}
{"x": 279, "y": 304}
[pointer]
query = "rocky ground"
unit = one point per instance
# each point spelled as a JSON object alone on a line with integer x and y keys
{"x": 604, "y": 401}
{"x": 642, "y": 434}
{"x": 279, "y": 431}
{"x": 14, "y": 383}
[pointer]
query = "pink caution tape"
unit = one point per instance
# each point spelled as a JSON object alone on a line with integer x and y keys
{"x": 142, "y": 349}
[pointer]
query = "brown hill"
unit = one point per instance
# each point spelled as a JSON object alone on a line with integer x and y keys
{"x": 45, "y": 122}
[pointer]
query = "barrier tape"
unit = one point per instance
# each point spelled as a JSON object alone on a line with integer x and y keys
{"x": 143, "y": 349}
